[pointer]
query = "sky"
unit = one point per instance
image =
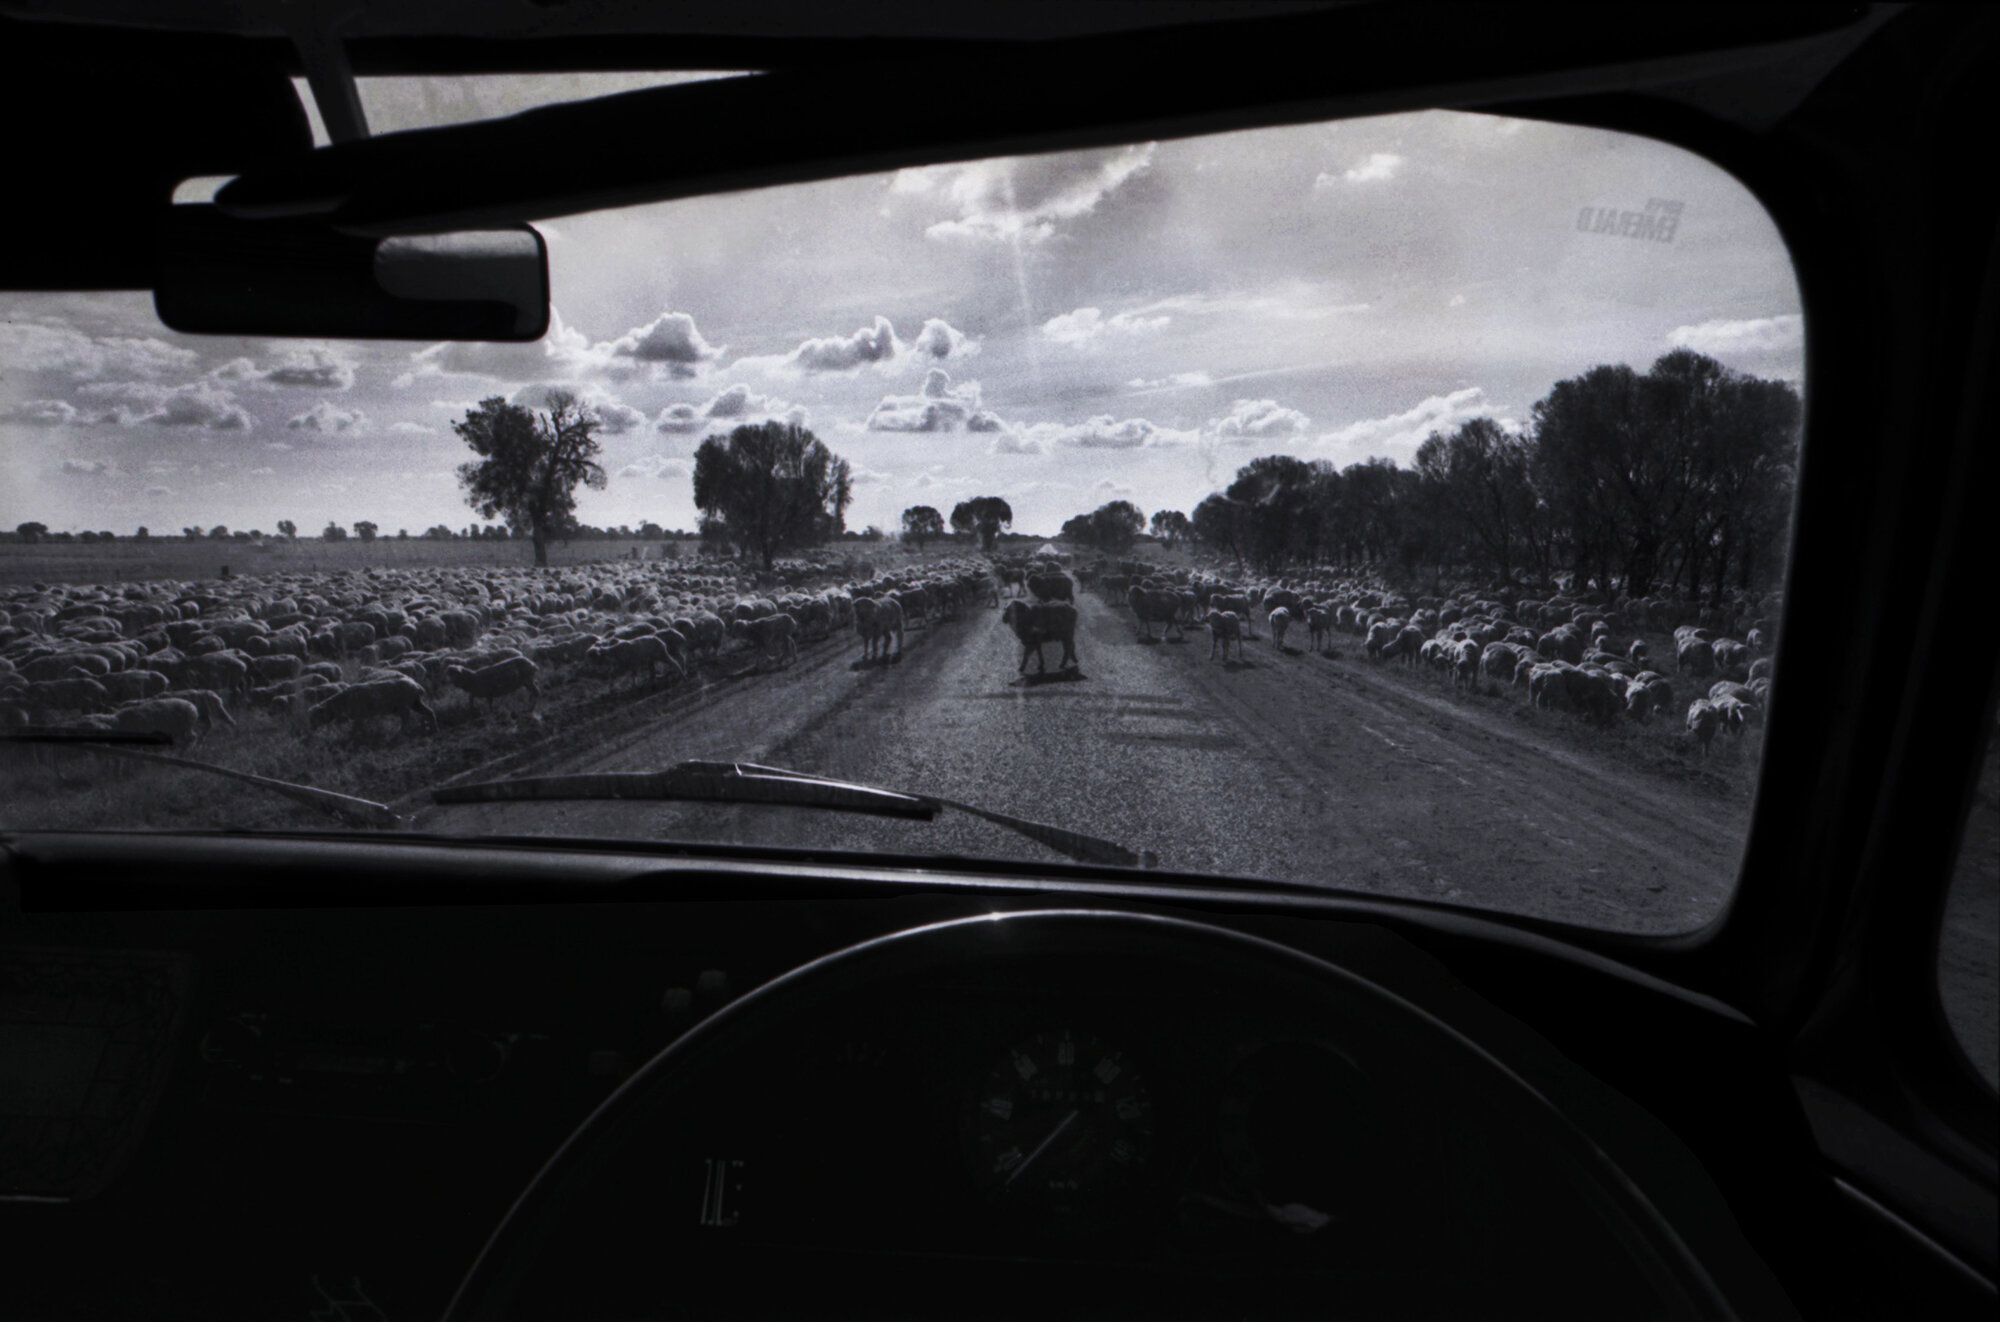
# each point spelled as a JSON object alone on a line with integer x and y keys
{"x": 1131, "y": 323}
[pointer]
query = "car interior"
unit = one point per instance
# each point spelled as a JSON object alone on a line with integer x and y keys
{"x": 390, "y": 1074}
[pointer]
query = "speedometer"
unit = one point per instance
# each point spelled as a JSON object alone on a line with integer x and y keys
{"x": 1059, "y": 1125}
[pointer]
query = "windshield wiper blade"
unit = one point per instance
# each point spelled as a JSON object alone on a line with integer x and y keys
{"x": 747, "y": 782}
{"x": 115, "y": 743}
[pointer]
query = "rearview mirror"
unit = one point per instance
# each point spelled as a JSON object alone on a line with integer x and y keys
{"x": 221, "y": 275}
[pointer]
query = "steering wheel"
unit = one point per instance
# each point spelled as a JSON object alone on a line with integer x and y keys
{"x": 516, "y": 1262}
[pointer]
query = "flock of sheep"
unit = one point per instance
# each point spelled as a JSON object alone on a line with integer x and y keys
{"x": 1582, "y": 656}
{"x": 185, "y": 659}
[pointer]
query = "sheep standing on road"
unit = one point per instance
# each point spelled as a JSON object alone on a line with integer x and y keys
{"x": 496, "y": 681}
{"x": 360, "y": 703}
{"x": 1052, "y": 587}
{"x": 1150, "y": 604}
{"x": 1702, "y": 722}
{"x": 632, "y": 656}
{"x": 1280, "y": 620}
{"x": 1237, "y": 605}
{"x": 1224, "y": 628}
{"x": 175, "y": 717}
{"x": 775, "y": 635}
{"x": 875, "y": 621}
{"x": 1038, "y": 625}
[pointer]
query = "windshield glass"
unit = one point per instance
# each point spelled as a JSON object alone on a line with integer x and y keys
{"x": 1394, "y": 504}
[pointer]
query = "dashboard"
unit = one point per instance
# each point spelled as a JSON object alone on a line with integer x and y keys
{"x": 837, "y": 1098}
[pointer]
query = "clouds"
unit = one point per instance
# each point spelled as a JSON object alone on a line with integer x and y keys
{"x": 201, "y": 404}
{"x": 52, "y": 345}
{"x": 1757, "y": 335}
{"x": 1022, "y": 198}
{"x": 1088, "y": 326}
{"x": 44, "y": 413}
{"x": 1102, "y": 432}
{"x": 844, "y": 353}
{"x": 614, "y": 417}
{"x": 1255, "y": 421}
{"x": 1399, "y": 434}
{"x": 938, "y": 341}
{"x": 314, "y": 368}
{"x": 90, "y": 468}
{"x": 1176, "y": 381}
{"x": 663, "y": 467}
{"x": 728, "y": 407}
{"x": 1372, "y": 168}
{"x": 670, "y": 341}
{"x": 938, "y": 407}
{"x": 329, "y": 419}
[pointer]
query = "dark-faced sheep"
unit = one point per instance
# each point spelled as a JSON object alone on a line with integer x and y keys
{"x": 1154, "y": 604}
{"x": 631, "y": 657}
{"x": 1052, "y": 587}
{"x": 1703, "y": 720}
{"x": 1038, "y": 625}
{"x": 1236, "y": 604}
{"x": 177, "y": 718}
{"x": 876, "y": 620}
{"x": 360, "y": 703}
{"x": 496, "y": 681}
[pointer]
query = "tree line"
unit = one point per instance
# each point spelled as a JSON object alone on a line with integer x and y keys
{"x": 1678, "y": 479}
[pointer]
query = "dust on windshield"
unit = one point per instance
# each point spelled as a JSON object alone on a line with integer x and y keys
{"x": 1397, "y": 504}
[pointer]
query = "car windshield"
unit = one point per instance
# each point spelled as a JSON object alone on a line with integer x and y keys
{"x": 1396, "y": 504}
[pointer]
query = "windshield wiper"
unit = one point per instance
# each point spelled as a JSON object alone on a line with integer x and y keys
{"x": 118, "y": 743}
{"x": 747, "y": 782}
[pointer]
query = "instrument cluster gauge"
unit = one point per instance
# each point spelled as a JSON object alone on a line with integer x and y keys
{"x": 1058, "y": 1128}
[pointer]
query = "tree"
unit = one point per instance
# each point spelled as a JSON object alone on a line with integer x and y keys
{"x": 218, "y": 533}
{"x": 402, "y": 534}
{"x": 437, "y": 532}
{"x": 365, "y": 530}
{"x": 530, "y": 465}
{"x": 985, "y": 515}
{"x": 771, "y": 487}
{"x": 288, "y": 530}
{"x": 31, "y": 532}
{"x": 1171, "y": 526}
{"x": 921, "y": 523}
{"x": 872, "y": 533}
{"x": 333, "y": 533}
{"x": 651, "y": 531}
{"x": 142, "y": 534}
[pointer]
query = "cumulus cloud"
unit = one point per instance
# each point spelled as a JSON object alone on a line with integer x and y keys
{"x": 412, "y": 429}
{"x": 1088, "y": 326}
{"x": 200, "y": 404}
{"x": 730, "y": 406}
{"x": 658, "y": 466}
{"x": 1177, "y": 381}
{"x": 44, "y": 413}
{"x": 1252, "y": 420}
{"x": 615, "y": 418}
{"x": 329, "y": 419}
{"x": 679, "y": 419}
{"x": 938, "y": 340}
{"x": 314, "y": 367}
{"x": 1102, "y": 432}
{"x": 1399, "y": 434}
{"x": 670, "y": 341}
{"x": 55, "y": 346}
{"x": 939, "y": 406}
{"x": 1018, "y": 442}
{"x": 1756, "y": 335}
{"x": 1022, "y": 198}
{"x": 668, "y": 346}
{"x": 1372, "y": 168}
{"x": 90, "y": 467}
{"x": 845, "y": 353}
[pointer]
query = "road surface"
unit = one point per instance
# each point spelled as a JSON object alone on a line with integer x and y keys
{"x": 1327, "y": 770}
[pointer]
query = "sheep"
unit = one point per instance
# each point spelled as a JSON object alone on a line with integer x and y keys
{"x": 1052, "y": 587}
{"x": 875, "y": 620}
{"x": 1224, "y": 628}
{"x": 1150, "y": 604}
{"x": 630, "y": 657}
{"x": 79, "y": 694}
{"x": 360, "y": 703}
{"x": 1408, "y": 642}
{"x": 1237, "y": 605}
{"x": 175, "y": 717}
{"x": 1280, "y": 621}
{"x": 131, "y": 685}
{"x": 1380, "y": 636}
{"x": 496, "y": 681}
{"x": 1695, "y": 654}
{"x": 1702, "y": 721}
{"x": 776, "y": 635}
{"x": 1465, "y": 664}
{"x": 1040, "y": 624}
{"x": 1321, "y": 625}
{"x": 1499, "y": 660}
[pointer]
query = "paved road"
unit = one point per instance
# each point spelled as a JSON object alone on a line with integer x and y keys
{"x": 1327, "y": 770}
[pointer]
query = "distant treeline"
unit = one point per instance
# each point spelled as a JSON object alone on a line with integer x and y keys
{"x": 1678, "y": 479}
